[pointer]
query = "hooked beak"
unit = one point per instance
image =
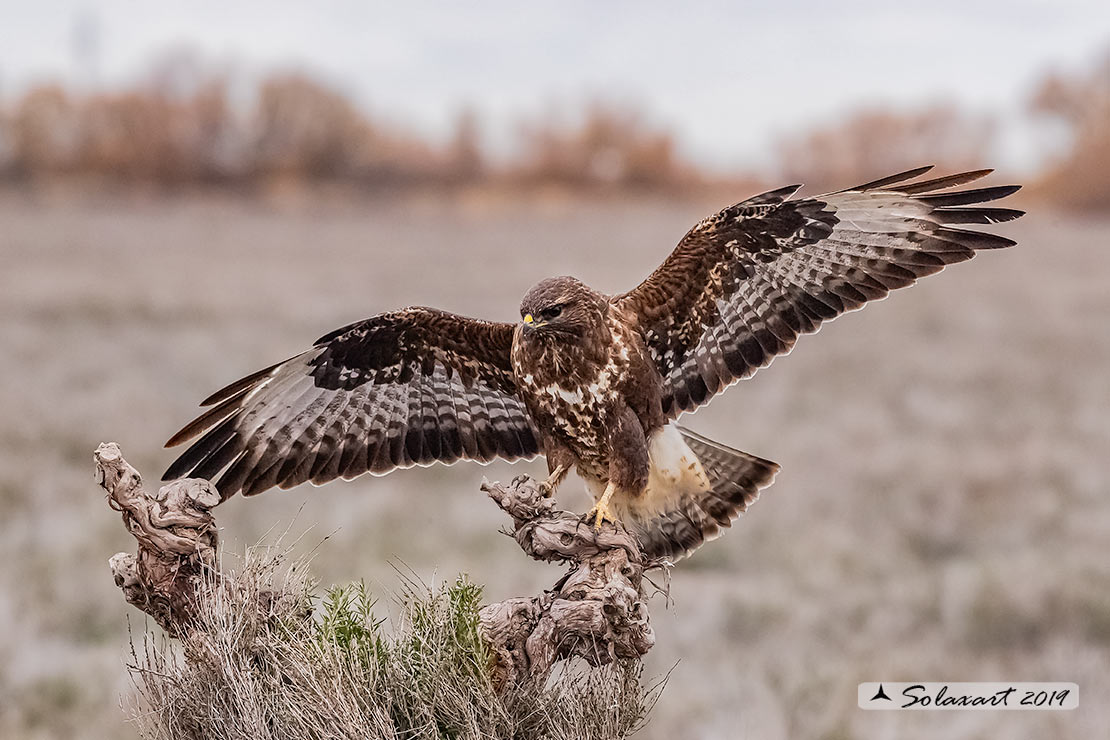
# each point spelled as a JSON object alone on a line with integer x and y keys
{"x": 531, "y": 324}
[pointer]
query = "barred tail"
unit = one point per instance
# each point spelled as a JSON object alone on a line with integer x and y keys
{"x": 707, "y": 494}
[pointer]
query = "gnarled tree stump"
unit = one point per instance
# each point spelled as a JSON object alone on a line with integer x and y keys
{"x": 596, "y": 611}
{"x": 176, "y": 533}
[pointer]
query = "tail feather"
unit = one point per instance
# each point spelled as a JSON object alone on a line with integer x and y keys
{"x": 691, "y": 517}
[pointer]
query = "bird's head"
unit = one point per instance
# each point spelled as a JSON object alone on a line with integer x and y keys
{"x": 562, "y": 307}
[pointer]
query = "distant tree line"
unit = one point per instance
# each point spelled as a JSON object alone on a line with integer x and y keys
{"x": 1080, "y": 176}
{"x": 184, "y": 128}
{"x": 298, "y": 129}
{"x": 870, "y": 142}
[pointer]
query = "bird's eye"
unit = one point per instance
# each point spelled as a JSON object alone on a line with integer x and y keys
{"x": 551, "y": 313}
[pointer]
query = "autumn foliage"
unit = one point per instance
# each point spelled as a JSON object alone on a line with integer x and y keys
{"x": 184, "y": 127}
{"x": 874, "y": 142}
{"x": 298, "y": 129}
{"x": 1080, "y": 177}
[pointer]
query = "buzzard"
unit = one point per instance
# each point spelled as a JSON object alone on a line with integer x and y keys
{"x": 593, "y": 382}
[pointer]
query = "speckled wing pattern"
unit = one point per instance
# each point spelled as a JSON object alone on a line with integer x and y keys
{"x": 742, "y": 285}
{"x": 410, "y": 387}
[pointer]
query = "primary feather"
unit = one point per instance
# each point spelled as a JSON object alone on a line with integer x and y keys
{"x": 742, "y": 285}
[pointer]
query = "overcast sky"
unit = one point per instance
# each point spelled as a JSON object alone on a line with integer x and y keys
{"x": 726, "y": 77}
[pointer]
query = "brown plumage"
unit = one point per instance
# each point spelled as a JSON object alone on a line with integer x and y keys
{"x": 596, "y": 382}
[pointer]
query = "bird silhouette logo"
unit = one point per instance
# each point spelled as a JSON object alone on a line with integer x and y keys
{"x": 880, "y": 694}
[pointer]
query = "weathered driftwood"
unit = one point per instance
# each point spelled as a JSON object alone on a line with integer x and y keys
{"x": 595, "y": 611}
{"x": 176, "y": 533}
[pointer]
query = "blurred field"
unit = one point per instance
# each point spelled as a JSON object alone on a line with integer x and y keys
{"x": 942, "y": 513}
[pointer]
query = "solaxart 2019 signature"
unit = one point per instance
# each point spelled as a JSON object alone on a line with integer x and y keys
{"x": 968, "y": 695}
{"x": 1003, "y": 698}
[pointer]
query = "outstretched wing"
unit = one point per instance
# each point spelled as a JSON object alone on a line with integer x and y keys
{"x": 404, "y": 388}
{"x": 743, "y": 285}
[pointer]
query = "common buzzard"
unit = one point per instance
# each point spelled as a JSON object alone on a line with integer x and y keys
{"x": 596, "y": 382}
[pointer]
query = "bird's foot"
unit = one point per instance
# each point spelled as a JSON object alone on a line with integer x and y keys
{"x": 601, "y": 511}
{"x": 547, "y": 487}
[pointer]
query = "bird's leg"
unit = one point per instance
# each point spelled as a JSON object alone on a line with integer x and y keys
{"x": 601, "y": 509}
{"x": 548, "y": 486}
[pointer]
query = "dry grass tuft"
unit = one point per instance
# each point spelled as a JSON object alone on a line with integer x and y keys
{"x": 308, "y": 666}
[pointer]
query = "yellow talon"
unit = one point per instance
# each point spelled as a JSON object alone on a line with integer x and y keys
{"x": 601, "y": 509}
{"x": 548, "y": 486}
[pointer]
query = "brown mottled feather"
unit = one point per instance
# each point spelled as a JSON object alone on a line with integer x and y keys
{"x": 743, "y": 284}
{"x": 399, "y": 389}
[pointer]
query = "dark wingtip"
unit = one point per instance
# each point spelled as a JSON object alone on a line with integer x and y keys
{"x": 241, "y": 384}
{"x": 968, "y": 197}
{"x": 187, "y": 432}
{"x": 977, "y": 215}
{"x": 942, "y": 183}
{"x": 175, "y": 471}
{"x": 778, "y": 195}
{"x": 177, "y": 439}
{"x": 892, "y": 179}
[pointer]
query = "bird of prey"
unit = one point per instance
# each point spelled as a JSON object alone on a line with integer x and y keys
{"x": 596, "y": 383}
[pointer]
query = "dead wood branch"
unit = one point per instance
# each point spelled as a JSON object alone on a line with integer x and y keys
{"x": 596, "y": 611}
{"x": 176, "y": 533}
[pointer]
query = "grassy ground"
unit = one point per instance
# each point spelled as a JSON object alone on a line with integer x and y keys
{"x": 942, "y": 513}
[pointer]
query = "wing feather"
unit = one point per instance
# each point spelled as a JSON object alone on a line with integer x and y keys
{"x": 941, "y": 183}
{"x": 743, "y": 284}
{"x": 882, "y": 182}
{"x": 406, "y": 388}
